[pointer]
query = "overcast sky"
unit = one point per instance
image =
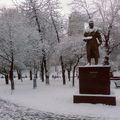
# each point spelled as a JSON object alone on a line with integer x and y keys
{"x": 5, "y": 3}
{"x": 66, "y": 8}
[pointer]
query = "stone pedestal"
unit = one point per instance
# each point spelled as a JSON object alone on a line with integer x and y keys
{"x": 94, "y": 80}
{"x": 94, "y": 85}
{"x": 94, "y": 99}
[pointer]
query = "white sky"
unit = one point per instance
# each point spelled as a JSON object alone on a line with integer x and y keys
{"x": 66, "y": 8}
{"x": 5, "y": 3}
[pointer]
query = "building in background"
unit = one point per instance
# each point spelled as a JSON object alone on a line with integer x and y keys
{"x": 76, "y": 24}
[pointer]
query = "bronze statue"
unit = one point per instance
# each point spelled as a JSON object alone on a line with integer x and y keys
{"x": 93, "y": 40}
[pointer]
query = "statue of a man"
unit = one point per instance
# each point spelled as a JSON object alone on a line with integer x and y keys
{"x": 93, "y": 40}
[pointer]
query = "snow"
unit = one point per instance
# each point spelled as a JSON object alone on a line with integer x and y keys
{"x": 10, "y": 111}
{"x": 58, "y": 99}
{"x": 116, "y": 74}
{"x": 99, "y": 65}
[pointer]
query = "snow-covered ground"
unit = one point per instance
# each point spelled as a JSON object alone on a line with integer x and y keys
{"x": 57, "y": 98}
{"x": 10, "y": 111}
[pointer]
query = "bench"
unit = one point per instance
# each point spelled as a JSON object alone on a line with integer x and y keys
{"x": 117, "y": 84}
{"x": 116, "y": 81}
{"x": 115, "y": 78}
{"x": 55, "y": 76}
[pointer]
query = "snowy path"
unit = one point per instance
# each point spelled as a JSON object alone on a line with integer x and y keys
{"x": 10, "y": 111}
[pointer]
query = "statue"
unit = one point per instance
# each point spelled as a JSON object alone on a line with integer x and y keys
{"x": 93, "y": 40}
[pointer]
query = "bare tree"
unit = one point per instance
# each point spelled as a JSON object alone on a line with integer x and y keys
{"x": 12, "y": 41}
{"x": 85, "y": 7}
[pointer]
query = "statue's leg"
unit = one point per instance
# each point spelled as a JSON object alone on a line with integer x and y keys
{"x": 96, "y": 60}
{"x": 89, "y": 55}
{"x": 89, "y": 60}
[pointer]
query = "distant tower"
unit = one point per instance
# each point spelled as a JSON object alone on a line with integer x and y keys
{"x": 75, "y": 26}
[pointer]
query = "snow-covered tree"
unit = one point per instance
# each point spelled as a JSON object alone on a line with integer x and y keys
{"x": 84, "y": 7}
{"x": 43, "y": 16}
{"x": 13, "y": 38}
{"x": 57, "y": 24}
{"x": 72, "y": 50}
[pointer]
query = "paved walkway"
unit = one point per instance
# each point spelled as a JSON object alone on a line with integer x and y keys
{"x": 10, "y": 111}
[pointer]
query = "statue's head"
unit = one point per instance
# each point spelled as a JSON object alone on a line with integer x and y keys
{"x": 91, "y": 23}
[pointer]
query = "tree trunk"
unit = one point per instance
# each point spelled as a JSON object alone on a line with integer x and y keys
{"x": 19, "y": 74}
{"x": 106, "y": 58}
{"x": 46, "y": 71}
{"x": 35, "y": 80}
{"x": 73, "y": 81}
{"x": 42, "y": 71}
{"x": 30, "y": 74}
{"x": 74, "y": 68}
{"x": 69, "y": 72}
{"x": 34, "y": 83}
{"x": 36, "y": 75}
{"x": 6, "y": 79}
{"x": 63, "y": 70}
{"x": 107, "y": 47}
{"x": 11, "y": 74}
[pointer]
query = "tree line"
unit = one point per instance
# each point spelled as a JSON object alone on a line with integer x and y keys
{"x": 33, "y": 36}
